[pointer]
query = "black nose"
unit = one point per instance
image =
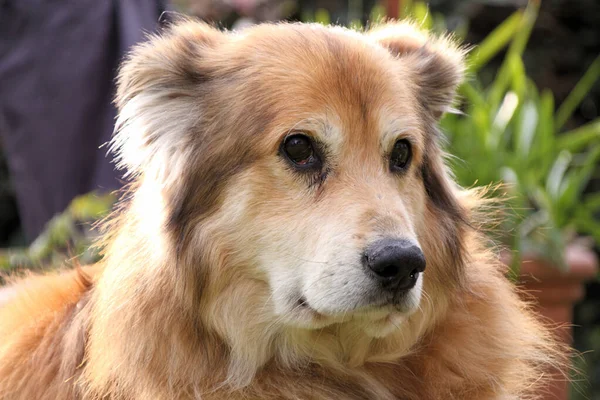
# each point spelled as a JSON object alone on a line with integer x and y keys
{"x": 395, "y": 263}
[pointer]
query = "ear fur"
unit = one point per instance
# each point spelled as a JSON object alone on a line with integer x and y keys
{"x": 154, "y": 87}
{"x": 438, "y": 62}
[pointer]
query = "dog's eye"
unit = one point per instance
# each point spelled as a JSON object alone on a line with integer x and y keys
{"x": 400, "y": 156}
{"x": 299, "y": 149}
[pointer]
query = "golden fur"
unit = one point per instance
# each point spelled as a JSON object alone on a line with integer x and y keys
{"x": 217, "y": 232}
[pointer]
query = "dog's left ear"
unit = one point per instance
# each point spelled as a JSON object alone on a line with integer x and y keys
{"x": 159, "y": 89}
{"x": 437, "y": 62}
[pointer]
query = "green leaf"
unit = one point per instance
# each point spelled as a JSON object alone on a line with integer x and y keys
{"x": 356, "y": 25}
{"x": 586, "y": 223}
{"x": 553, "y": 244}
{"x": 517, "y": 72}
{"x": 473, "y": 95}
{"x": 542, "y": 198}
{"x": 555, "y": 177}
{"x": 307, "y": 16}
{"x": 322, "y": 16}
{"x": 526, "y": 129}
{"x": 540, "y": 236}
{"x": 578, "y": 94}
{"x": 545, "y": 138}
{"x": 592, "y": 202}
{"x": 517, "y": 255}
{"x": 577, "y": 180}
{"x": 440, "y": 27}
{"x": 405, "y": 8}
{"x": 420, "y": 12}
{"x": 494, "y": 42}
{"x": 517, "y": 46}
{"x": 91, "y": 206}
{"x": 377, "y": 14}
{"x": 515, "y": 50}
{"x": 355, "y": 13}
{"x": 502, "y": 119}
{"x": 499, "y": 86}
{"x": 576, "y": 139}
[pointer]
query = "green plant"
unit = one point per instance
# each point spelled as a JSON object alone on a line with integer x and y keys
{"x": 67, "y": 236}
{"x": 510, "y": 133}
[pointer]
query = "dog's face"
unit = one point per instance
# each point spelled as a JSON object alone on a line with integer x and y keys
{"x": 300, "y": 163}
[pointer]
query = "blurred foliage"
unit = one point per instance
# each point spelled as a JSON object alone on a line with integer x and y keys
{"x": 510, "y": 133}
{"x": 67, "y": 236}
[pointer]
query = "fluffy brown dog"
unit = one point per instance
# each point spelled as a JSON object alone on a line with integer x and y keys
{"x": 291, "y": 233}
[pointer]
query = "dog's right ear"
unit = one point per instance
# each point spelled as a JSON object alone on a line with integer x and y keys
{"x": 158, "y": 88}
{"x": 437, "y": 62}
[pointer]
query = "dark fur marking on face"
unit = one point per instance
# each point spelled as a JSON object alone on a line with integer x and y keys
{"x": 452, "y": 217}
{"x": 200, "y": 195}
{"x": 438, "y": 193}
{"x": 219, "y": 154}
{"x": 432, "y": 173}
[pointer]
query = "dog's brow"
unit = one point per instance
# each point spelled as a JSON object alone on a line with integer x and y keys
{"x": 327, "y": 130}
{"x": 390, "y": 135}
{"x": 312, "y": 123}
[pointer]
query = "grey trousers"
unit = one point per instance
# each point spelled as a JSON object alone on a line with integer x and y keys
{"x": 58, "y": 62}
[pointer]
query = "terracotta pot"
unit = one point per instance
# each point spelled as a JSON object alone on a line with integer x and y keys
{"x": 554, "y": 293}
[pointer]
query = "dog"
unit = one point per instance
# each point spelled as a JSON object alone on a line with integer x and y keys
{"x": 290, "y": 231}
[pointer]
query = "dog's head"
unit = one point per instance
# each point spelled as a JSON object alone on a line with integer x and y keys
{"x": 293, "y": 171}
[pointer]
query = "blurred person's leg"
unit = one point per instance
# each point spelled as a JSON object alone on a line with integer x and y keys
{"x": 58, "y": 61}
